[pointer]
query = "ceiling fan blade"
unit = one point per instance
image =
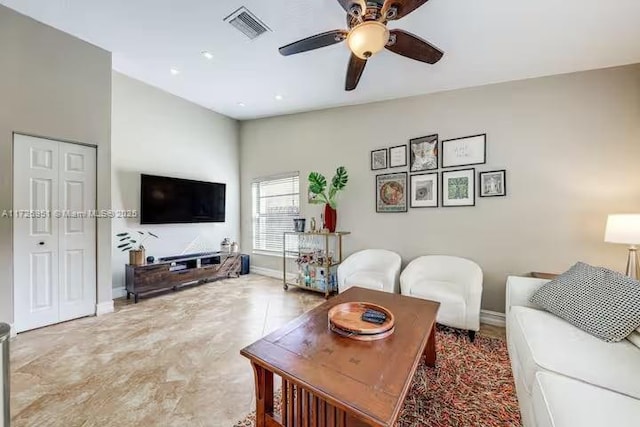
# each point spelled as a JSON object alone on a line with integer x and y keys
{"x": 354, "y": 72}
{"x": 347, "y": 4}
{"x": 314, "y": 42}
{"x": 412, "y": 46}
{"x": 404, "y": 7}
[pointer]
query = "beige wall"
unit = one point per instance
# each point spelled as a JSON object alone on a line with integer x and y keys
{"x": 156, "y": 133}
{"x": 570, "y": 144}
{"x": 57, "y": 86}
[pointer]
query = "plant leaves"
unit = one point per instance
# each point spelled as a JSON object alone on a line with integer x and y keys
{"x": 128, "y": 248}
{"x": 123, "y": 245}
{"x": 141, "y": 233}
{"x": 153, "y": 235}
{"x": 124, "y": 238}
{"x": 122, "y": 234}
{"x": 340, "y": 179}
{"x": 317, "y": 183}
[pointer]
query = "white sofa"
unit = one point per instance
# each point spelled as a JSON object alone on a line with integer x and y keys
{"x": 376, "y": 269}
{"x": 456, "y": 283}
{"x": 564, "y": 376}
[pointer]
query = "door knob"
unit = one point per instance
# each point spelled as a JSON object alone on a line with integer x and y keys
{"x": 41, "y": 243}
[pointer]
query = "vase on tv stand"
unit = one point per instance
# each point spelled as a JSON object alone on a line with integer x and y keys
{"x": 136, "y": 257}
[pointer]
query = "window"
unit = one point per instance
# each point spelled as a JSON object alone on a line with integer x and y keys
{"x": 276, "y": 203}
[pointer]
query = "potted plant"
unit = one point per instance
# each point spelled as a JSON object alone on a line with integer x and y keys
{"x": 318, "y": 186}
{"x": 134, "y": 243}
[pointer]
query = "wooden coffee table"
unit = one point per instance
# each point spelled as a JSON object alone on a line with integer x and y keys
{"x": 329, "y": 380}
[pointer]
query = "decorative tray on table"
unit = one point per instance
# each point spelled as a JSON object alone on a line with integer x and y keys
{"x": 346, "y": 320}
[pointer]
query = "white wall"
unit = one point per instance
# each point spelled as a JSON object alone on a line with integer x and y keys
{"x": 52, "y": 85}
{"x": 570, "y": 144}
{"x": 156, "y": 133}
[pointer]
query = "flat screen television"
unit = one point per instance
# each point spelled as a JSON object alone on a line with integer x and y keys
{"x": 167, "y": 200}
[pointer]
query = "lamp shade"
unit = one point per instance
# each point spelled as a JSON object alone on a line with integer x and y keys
{"x": 368, "y": 38}
{"x": 623, "y": 229}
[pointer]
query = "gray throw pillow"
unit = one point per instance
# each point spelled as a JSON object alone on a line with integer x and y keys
{"x": 599, "y": 301}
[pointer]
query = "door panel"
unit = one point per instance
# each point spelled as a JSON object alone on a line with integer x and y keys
{"x": 41, "y": 201}
{"x": 77, "y": 231}
{"x": 35, "y": 240}
{"x": 40, "y": 281}
{"x": 55, "y": 245}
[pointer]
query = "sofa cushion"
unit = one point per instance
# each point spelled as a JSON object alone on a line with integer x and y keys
{"x": 563, "y": 402}
{"x": 365, "y": 279}
{"x": 543, "y": 341}
{"x": 450, "y": 296}
{"x": 597, "y": 300}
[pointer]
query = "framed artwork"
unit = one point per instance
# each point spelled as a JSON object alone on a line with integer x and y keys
{"x": 379, "y": 159}
{"x": 391, "y": 192}
{"x": 424, "y": 190}
{"x": 424, "y": 153}
{"x": 493, "y": 183}
{"x": 398, "y": 156}
{"x": 470, "y": 150}
{"x": 459, "y": 188}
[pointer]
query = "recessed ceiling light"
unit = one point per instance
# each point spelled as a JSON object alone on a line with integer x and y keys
{"x": 207, "y": 54}
{"x": 279, "y": 97}
{"x": 174, "y": 71}
{"x": 241, "y": 104}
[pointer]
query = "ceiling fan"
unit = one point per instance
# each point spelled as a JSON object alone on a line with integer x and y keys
{"x": 368, "y": 34}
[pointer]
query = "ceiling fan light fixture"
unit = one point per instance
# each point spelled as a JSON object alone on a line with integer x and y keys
{"x": 367, "y": 39}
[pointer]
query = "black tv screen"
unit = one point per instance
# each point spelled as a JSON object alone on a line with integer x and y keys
{"x": 181, "y": 201}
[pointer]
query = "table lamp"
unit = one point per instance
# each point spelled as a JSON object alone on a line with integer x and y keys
{"x": 626, "y": 229}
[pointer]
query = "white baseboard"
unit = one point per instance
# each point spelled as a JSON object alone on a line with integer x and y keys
{"x": 104, "y": 308}
{"x": 487, "y": 317}
{"x": 276, "y": 274}
{"x": 493, "y": 318}
{"x": 266, "y": 272}
{"x": 119, "y": 292}
{"x": 12, "y": 333}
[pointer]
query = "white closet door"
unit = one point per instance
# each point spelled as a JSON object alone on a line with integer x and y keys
{"x": 55, "y": 242}
{"x": 35, "y": 240}
{"x": 77, "y": 234}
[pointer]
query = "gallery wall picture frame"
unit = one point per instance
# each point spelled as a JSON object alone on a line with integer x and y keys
{"x": 391, "y": 192}
{"x": 424, "y": 190}
{"x": 492, "y": 183}
{"x": 465, "y": 151}
{"x": 423, "y": 153}
{"x": 458, "y": 188}
{"x": 398, "y": 156}
{"x": 379, "y": 159}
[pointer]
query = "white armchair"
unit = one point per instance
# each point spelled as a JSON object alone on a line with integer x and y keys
{"x": 376, "y": 269}
{"x": 456, "y": 283}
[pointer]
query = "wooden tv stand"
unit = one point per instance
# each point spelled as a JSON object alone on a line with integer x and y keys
{"x": 176, "y": 272}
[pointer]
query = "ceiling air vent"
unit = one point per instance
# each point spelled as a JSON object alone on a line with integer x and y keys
{"x": 247, "y": 23}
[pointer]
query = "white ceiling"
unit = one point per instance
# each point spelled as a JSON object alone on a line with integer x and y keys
{"x": 484, "y": 41}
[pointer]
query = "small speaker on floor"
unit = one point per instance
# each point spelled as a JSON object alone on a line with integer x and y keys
{"x": 245, "y": 264}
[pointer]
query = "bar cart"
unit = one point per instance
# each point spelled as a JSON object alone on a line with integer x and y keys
{"x": 317, "y": 256}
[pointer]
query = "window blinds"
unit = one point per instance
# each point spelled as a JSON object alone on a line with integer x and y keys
{"x": 276, "y": 203}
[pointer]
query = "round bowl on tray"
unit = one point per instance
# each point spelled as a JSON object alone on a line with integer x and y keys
{"x": 346, "y": 320}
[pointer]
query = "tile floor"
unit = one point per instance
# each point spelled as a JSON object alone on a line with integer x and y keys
{"x": 172, "y": 360}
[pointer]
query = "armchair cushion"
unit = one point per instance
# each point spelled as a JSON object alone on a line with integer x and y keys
{"x": 376, "y": 269}
{"x": 365, "y": 279}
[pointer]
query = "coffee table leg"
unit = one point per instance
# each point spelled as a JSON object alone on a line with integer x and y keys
{"x": 264, "y": 394}
{"x": 430, "y": 349}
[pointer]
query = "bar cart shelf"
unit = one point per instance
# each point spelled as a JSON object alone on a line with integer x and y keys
{"x": 317, "y": 256}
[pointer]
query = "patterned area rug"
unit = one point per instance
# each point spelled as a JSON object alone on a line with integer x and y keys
{"x": 472, "y": 385}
